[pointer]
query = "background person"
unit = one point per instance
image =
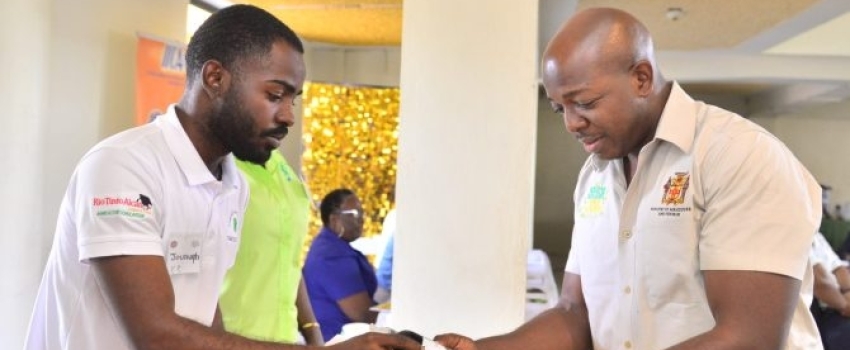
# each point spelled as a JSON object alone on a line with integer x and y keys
{"x": 339, "y": 279}
{"x": 831, "y": 307}
{"x": 384, "y": 273}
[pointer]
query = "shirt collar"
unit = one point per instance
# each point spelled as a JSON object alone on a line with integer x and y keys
{"x": 187, "y": 157}
{"x": 676, "y": 124}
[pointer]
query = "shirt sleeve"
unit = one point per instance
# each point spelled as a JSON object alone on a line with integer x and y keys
{"x": 117, "y": 205}
{"x": 762, "y": 207}
{"x": 342, "y": 278}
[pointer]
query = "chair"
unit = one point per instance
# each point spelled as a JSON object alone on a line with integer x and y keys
{"x": 541, "y": 291}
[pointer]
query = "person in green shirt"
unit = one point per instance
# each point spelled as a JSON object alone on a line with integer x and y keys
{"x": 263, "y": 297}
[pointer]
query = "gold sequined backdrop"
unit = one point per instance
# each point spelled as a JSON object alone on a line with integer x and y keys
{"x": 351, "y": 140}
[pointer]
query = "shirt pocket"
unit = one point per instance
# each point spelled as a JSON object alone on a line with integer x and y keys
{"x": 668, "y": 261}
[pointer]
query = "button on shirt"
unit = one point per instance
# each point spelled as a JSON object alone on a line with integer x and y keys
{"x": 700, "y": 199}
{"x": 144, "y": 191}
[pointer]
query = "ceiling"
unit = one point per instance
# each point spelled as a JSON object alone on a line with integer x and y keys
{"x": 765, "y": 55}
{"x": 346, "y": 22}
{"x": 704, "y": 24}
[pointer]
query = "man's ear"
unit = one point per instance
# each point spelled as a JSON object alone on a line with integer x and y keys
{"x": 643, "y": 78}
{"x": 215, "y": 78}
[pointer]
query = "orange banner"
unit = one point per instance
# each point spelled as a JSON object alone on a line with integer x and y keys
{"x": 160, "y": 76}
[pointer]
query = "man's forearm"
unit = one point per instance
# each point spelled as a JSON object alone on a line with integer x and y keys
{"x": 711, "y": 340}
{"x": 842, "y": 276}
{"x": 831, "y": 296}
{"x": 306, "y": 319}
{"x": 182, "y": 333}
{"x": 828, "y": 290}
{"x": 573, "y": 333}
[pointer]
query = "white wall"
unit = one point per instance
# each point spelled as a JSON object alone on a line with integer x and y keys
{"x": 92, "y": 75}
{"x": 68, "y": 70}
{"x": 24, "y": 52}
{"x": 820, "y": 137}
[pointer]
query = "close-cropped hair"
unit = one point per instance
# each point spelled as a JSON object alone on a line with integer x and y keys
{"x": 332, "y": 202}
{"x": 235, "y": 33}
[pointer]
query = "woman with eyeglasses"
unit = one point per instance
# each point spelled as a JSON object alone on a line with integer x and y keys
{"x": 339, "y": 279}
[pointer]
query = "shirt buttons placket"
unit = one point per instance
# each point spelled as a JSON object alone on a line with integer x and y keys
{"x": 626, "y": 234}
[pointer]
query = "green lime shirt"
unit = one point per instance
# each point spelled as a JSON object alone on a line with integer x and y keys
{"x": 258, "y": 296}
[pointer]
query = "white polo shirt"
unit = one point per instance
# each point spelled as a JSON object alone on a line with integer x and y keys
{"x": 144, "y": 191}
{"x": 712, "y": 191}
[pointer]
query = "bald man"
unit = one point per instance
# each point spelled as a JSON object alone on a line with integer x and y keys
{"x": 692, "y": 224}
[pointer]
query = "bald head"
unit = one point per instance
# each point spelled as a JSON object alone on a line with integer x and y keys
{"x": 601, "y": 38}
{"x": 599, "y": 72}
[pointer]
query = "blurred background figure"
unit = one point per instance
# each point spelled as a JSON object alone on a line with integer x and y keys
{"x": 384, "y": 259}
{"x": 844, "y": 250}
{"x": 834, "y": 226}
{"x": 831, "y": 306}
{"x": 339, "y": 279}
{"x": 826, "y": 196}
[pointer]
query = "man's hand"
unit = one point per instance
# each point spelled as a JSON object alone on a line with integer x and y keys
{"x": 455, "y": 342}
{"x": 564, "y": 327}
{"x": 378, "y": 341}
{"x": 846, "y": 310}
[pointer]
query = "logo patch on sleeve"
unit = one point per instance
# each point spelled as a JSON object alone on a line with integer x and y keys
{"x": 137, "y": 206}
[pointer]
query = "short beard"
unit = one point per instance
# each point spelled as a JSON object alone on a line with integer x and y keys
{"x": 233, "y": 125}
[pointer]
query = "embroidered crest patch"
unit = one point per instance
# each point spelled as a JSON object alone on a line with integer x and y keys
{"x": 675, "y": 189}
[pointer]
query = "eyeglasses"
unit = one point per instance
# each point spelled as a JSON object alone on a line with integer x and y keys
{"x": 353, "y": 212}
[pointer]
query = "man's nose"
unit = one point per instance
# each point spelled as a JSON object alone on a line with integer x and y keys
{"x": 574, "y": 121}
{"x": 285, "y": 116}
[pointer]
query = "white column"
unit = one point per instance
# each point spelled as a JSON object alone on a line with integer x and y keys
{"x": 466, "y": 165}
{"x": 24, "y": 38}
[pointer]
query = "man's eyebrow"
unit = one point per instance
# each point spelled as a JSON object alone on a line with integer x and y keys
{"x": 572, "y": 93}
{"x": 286, "y": 86}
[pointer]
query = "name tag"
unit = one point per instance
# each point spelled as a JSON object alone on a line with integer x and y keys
{"x": 183, "y": 255}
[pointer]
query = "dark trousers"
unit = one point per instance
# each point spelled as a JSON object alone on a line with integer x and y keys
{"x": 834, "y": 328}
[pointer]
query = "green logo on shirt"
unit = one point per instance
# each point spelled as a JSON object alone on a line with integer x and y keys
{"x": 285, "y": 172}
{"x": 594, "y": 201}
{"x": 234, "y": 222}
